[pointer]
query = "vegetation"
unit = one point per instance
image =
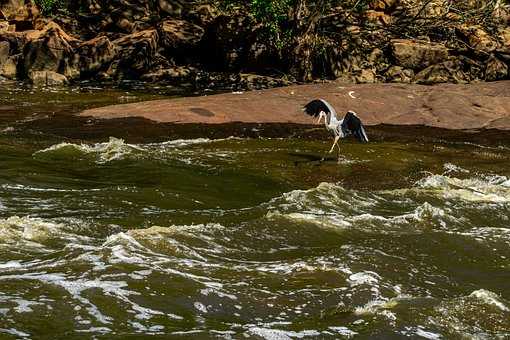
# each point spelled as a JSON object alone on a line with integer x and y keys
{"x": 49, "y": 7}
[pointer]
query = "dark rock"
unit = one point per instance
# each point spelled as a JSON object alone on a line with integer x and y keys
{"x": 178, "y": 35}
{"x": 136, "y": 53}
{"x": 95, "y": 55}
{"x": 176, "y": 74}
{"x": 496, "y": 69}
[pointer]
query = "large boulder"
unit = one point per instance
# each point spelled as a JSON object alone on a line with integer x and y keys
{"x": 136, "y": 53}
{"x": 417, "y": 55}
{"x": 95, "y": 55}
{"x": 51, "y": 49}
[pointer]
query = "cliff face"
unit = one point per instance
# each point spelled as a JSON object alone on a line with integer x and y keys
{"x": 197, "y": 42}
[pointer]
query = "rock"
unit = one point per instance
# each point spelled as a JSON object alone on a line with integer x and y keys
{"x": 496, "y": 69}
{"x": 51, "y": 50}
{"x": 176, "y": 74}
{"x": 172, "y": 8}
{"x": 397, "y": 74}
{"x": 366, "y": 76}
{"x": 9, "y": 68}
{"x": 136, "y": 53}
{"x": 228, "y": 40}
{"x": 477, "y": 38}
{"x": 47, "y": 78}
{"x": 378, "y": 18}
{"x": 18, "y": 11}
{"x": 4, "y": 51}
{"x": 382, "y": 5}
{"x": 445, "y": 72}
{"x": 504, "y": 38}
{"x": 179, "y": 34}
{"x": 203, "y": 15}
{"x": 417, "y": 55}
{"x": 95, "y": 55}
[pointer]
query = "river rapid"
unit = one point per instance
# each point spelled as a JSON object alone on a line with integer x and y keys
{"x": 109, "y": 236}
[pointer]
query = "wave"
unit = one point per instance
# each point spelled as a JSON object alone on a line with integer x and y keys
{"x": 118, "y": 149}
{"x": 482, "y": 314}
{"x": 36, "y": 233}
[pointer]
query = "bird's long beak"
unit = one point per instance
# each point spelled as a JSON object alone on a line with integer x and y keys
{"x": 319, "y": 120}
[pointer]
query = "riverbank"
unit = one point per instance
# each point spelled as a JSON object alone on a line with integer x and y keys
{"x": 448, "y": 106}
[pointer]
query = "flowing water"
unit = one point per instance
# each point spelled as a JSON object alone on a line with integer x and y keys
{"x": 236, "y": 238}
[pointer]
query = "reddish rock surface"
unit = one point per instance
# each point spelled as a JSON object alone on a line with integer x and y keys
{"x": 474, "y": 106}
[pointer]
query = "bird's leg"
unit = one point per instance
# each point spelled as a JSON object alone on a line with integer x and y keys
{"x": 334, "y": 143}
{"x": 338, "y": 145}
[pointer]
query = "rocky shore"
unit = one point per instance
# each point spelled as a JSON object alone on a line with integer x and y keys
{"x": 202, "y": 44}
{"x": 449, "y": 106}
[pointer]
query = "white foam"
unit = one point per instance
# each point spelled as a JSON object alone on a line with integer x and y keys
{"x": 343, "y": 331}
{"x": 493, "y": 189}
{"x": 114, "y": 149}
{"x": 277, "y": 334}
{"x": 490, "y": 298}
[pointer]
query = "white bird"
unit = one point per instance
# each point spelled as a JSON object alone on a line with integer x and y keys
{"x": 350, "y": 125}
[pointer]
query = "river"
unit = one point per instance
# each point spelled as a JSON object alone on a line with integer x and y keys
{"x": 109, "y": 233}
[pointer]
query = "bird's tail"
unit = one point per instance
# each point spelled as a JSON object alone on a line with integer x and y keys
{"x": 361, "y": 135}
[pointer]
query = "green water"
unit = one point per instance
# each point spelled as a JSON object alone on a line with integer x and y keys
{"x": 164, "y": 236}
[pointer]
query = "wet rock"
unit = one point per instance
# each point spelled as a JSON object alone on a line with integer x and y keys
{"x": 95, "y": 55}
{"x": 417, "y": 54}
{"x": 47, "y": 78}
{"x": 135, "y": 54}
{"x": 496, "y": 69}
{"x": 51, "y": 50}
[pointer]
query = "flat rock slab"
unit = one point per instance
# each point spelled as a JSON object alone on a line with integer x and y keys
{"x": 452, "y": 106}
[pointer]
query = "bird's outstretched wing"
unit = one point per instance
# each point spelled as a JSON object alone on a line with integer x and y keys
{"x": 314, "y": 107}
{"x": 352, "y": 125}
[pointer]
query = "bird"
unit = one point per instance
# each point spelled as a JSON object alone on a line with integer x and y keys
{"x": 349, "y": 125}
